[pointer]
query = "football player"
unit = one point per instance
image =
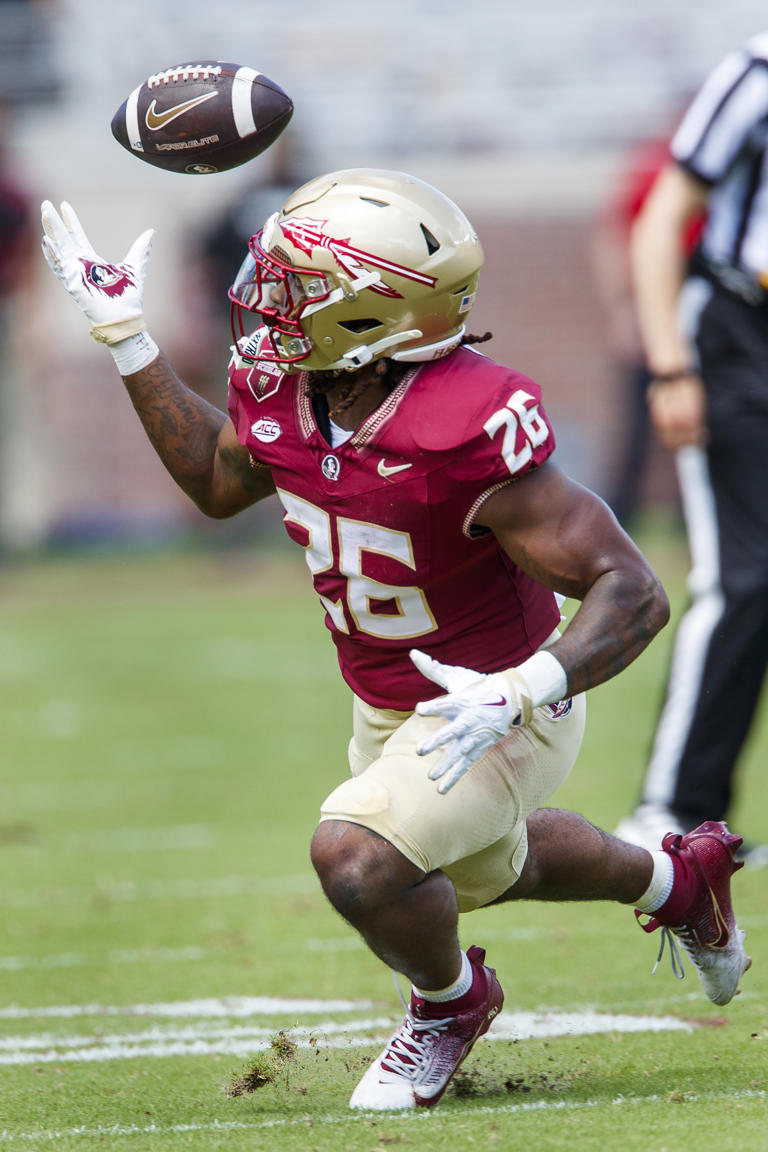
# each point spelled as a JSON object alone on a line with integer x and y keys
{"x": 418, "y": 477}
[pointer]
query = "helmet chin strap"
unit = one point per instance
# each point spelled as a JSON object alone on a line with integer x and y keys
{"x": 431, "y": 351}
{"x": 365, "y": 353}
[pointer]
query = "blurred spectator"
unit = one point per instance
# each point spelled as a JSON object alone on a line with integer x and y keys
{"x": 17, "y": 238}
{"x": 28, "y": 73}
{"x": 613, "y": 278}
{"x": 225, "y": 242}
{"x": 220, "y": 246}
{"x": 705, "y": 334}
{"x": 219, "y": 251}
{"x": 18, "y": 250}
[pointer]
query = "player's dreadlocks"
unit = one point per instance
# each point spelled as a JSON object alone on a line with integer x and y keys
{"x": 470, "y": 339}
{"x": 389, "y": 371}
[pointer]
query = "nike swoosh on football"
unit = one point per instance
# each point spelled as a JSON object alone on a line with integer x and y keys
{"x": 157, "y": 120}
{"x": 385, "y": 469}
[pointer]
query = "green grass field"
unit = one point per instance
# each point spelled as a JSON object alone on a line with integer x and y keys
{"x": 170, "y": 725}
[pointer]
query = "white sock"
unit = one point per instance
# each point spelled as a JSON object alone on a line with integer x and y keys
{"x": 453, "y": 991}
{"x": 657, "y": 892}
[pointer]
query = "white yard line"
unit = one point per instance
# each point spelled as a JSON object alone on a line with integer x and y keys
{"x": 205, "y": 1039}
{"x": 45, "y": 1040}
{"x": 530, "y": 1025}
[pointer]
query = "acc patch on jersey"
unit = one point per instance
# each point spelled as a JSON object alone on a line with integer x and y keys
{"x": 266, "y": 430}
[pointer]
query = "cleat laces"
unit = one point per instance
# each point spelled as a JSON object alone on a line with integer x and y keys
{"x": 411, "y": 1048}
{"x": 423, "y": 1053}
{"x": 667, "y": 936}
{"x": 689, "y": 939}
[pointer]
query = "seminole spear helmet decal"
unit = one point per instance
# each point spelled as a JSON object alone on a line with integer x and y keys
{"x": 359, "y": 264}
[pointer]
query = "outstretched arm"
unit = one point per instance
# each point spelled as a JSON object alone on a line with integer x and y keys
{"x": 196, "y": 442}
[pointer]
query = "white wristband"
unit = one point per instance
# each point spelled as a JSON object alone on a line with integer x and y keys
{"x": 134, "y": 353}
{"x": 545, "y": 677}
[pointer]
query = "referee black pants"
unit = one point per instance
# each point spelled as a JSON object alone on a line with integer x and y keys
{"x": 720, "y": 650}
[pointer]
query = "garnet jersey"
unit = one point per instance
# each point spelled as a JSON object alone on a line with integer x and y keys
{"x": 387, "y": 519}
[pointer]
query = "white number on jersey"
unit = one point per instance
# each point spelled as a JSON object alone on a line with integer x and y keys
{"x": 522, "y": 411}
{"x": 412, "y": 616}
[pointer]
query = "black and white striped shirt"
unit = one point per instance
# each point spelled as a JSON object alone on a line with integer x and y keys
{"x": 723, "y": 141}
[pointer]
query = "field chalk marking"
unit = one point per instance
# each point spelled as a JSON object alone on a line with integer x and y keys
{"x": 205, "y": 1039}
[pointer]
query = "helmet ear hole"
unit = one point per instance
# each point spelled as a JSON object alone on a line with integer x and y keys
{"x": 432, "y": 243}
{"x": 358, "y": 326}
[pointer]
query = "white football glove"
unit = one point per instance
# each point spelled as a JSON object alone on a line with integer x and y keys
{"x": 110, "y": 295}
{"x": 480, "y": 709}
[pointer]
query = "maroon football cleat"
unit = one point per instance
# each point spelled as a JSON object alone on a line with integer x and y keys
{"x": 422, "y": 1055}
{"x": 707, "y": 929}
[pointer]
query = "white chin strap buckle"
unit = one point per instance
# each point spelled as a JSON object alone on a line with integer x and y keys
{"x": 365, "y": 353}
{"x": 434, "y": 351}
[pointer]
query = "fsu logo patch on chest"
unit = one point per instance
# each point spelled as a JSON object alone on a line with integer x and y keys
{"x": 330, "y": 467}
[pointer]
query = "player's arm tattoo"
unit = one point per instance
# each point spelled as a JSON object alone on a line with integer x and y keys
{"x": 254, "y": 478}
{"x": 184, "y": 430}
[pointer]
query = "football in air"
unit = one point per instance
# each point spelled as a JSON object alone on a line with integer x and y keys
{"x": 204, "y": 117}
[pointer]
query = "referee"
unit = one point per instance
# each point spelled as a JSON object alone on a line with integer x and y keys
{"x": 705, "y": 333}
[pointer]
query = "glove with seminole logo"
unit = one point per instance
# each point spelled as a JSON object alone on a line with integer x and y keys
{"x": 110, "y": 295}
{"x": 480, "y": 710}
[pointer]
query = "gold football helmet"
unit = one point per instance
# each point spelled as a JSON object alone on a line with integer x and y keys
{"x": 356, "y": 265}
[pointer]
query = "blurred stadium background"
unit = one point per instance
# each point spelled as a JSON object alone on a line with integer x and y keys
{"x": 523, "y": 113}
{"x": 162, "y": 677}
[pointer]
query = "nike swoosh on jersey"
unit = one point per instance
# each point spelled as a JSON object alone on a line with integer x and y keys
{"x": 157, "y": 119}
{"x": 385, "y": 469}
